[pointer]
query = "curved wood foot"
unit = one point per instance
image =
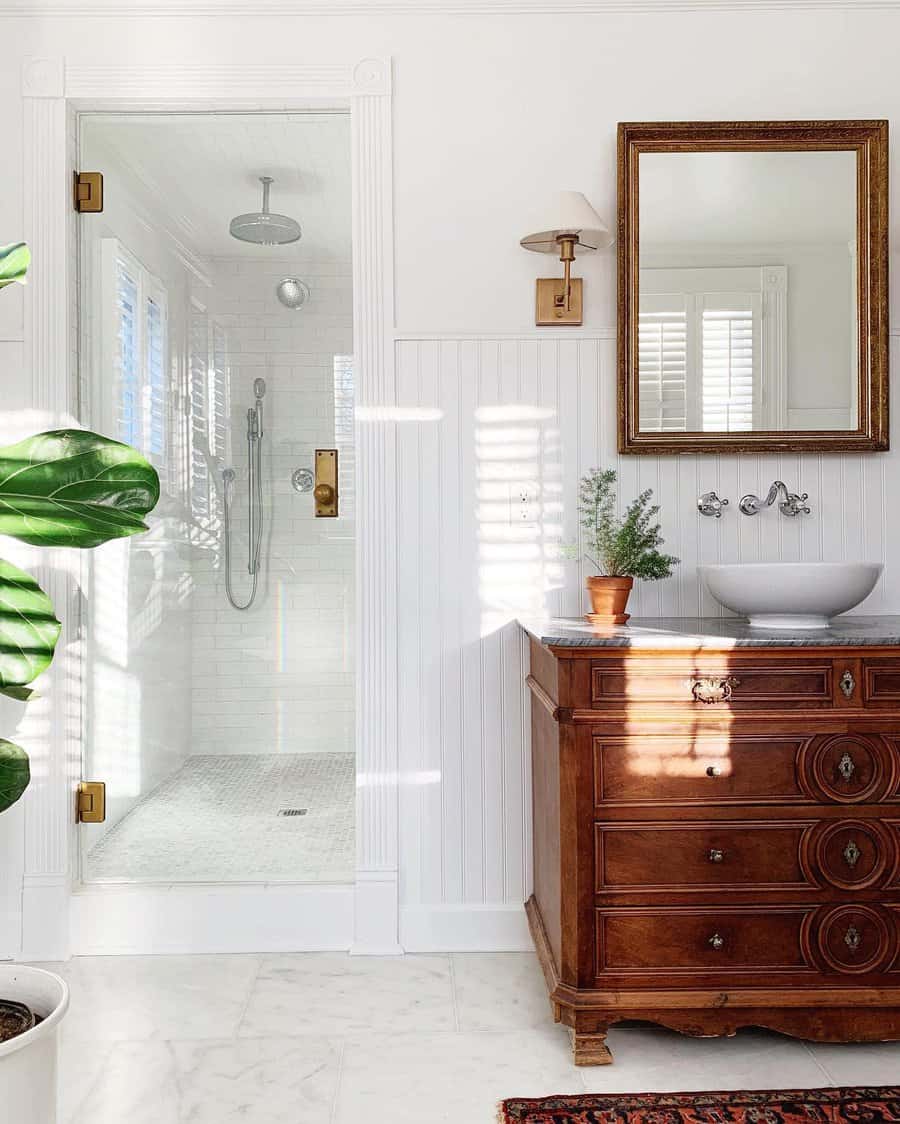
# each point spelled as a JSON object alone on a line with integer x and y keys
{"x": 590, "y": 1049}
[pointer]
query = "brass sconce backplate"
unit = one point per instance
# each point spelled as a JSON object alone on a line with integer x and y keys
{"x": 550, "y": 307}
{"x": 325, "y": 492}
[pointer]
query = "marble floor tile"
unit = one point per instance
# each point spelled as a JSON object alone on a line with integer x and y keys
{"x": 259, "y": 1081}
{"x": 868, "y": 1063}
{"x": 499, "y": 991}
{"x": 334, "y": 993}
{"x": 650, "y": 1059}
{"x": 450, "y": 1078}
{"x": 136, "y": 998}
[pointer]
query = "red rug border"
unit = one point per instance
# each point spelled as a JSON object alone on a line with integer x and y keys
{"x": 830, "y": 1095}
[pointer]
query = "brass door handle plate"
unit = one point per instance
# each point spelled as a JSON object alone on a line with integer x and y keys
{"x": 325, "y": 493}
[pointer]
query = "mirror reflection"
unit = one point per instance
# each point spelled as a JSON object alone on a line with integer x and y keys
{"x": 747, "y": 291}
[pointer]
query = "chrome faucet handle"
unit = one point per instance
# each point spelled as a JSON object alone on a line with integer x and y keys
{"x": 794, "y": 504}
{"x": 710, "y": 504}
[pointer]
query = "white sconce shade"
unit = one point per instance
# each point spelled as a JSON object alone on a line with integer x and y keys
{"x": 569, "y": 214}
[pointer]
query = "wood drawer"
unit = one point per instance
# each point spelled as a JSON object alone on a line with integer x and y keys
{"x": 672, "y": 857}
{"x": 696, "y": 769}
{"x": 881, "y": 683}
{"x": 704, "y": 940}
{"x": 730, "y": 685}
{"x": 662, "y": 770}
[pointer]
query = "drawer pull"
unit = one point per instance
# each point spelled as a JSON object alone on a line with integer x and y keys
{"x": 713, "y": 771}
{"x": 852, "y": 854}
{"x": 848, "y": 684}
{"x": 713, "y": 690}
{"x": 715, "y": 855}
{"x": 846, "y": 767}
{"x": 852, "y": 939}
{"x": 717, "y": 941}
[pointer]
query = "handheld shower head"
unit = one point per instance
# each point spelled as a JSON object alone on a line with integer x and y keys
{"x": 259, "y": 388}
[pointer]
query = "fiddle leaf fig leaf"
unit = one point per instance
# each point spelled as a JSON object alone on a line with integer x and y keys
{"x": 20, "y": 694}
{"x": 14, "y": 262}
{"x": 71, "y": 487}
{"x": 14, "y": 773}
{"x": 28, "y": 631}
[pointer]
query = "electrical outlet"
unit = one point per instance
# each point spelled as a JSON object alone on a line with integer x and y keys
{"x": 523, "y": 505}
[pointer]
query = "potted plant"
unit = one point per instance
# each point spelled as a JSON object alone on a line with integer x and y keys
{"x": 68, "y": 488}
{"x": 621, "y": 547}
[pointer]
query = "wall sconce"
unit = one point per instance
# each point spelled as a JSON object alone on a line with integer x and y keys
{"x": 576, "y": 225}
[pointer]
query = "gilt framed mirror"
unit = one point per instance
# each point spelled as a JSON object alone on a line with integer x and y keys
{"x": 753, "y": 286}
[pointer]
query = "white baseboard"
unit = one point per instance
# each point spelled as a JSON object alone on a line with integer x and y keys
{"x": 45, "y": 917}
{"x": 123, "y": 920}
{"x": 464, "y": 928}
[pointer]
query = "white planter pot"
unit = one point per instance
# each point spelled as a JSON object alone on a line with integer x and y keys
{"x": 28, "y": 1062}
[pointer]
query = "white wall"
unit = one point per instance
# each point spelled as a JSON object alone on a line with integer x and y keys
{"x": 491, "y": 113}
{"x": 278, "y": 678}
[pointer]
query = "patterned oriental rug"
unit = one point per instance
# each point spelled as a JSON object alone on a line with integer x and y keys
{"x": 803, "y": 1106}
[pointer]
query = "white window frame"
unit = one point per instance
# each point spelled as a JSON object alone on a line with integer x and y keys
{"x": 704, "y": 286}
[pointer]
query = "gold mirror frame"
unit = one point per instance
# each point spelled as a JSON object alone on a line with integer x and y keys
{"x": 869, "y": 139}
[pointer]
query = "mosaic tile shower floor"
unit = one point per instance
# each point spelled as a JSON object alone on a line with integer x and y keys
{"x": 218, "y": 820}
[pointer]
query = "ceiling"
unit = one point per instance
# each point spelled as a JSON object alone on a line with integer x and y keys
{"x": 198, "y": 170}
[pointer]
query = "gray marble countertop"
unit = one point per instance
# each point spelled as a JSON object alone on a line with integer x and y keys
{"x": 711, "y": 632}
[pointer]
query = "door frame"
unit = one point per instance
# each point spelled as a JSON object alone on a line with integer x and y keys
{"x": 58, "y": 917}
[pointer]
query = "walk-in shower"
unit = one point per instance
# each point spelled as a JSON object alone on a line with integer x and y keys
{"x": 225, "y": 738}
{"x": 254, "y": 501}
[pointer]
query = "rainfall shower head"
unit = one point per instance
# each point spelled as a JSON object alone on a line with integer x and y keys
{"x": 264, "y": 228}
{"x": 292, "y": 292}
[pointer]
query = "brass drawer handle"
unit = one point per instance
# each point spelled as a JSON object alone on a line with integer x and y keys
{"x": 848, "y": 684}
{"x": 713, "y": 690}
{"x": 715, "y": 855}
{"x": 717, "y": 941}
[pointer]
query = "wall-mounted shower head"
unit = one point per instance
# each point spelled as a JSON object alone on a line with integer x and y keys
{"x": 265, "y": 228}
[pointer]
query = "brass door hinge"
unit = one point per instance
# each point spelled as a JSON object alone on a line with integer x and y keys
{"x": 91, "y": 802}
{"x": 88, "y": 192}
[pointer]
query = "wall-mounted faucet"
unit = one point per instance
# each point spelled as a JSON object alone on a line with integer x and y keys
{"x": 792, "y": 504}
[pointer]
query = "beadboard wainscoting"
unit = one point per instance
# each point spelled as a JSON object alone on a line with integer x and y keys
{"x": 493, "y": 435}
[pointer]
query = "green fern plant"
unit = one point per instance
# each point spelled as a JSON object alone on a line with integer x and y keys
{"x": 626, "y": 547}
{"x": 66, "y": 487}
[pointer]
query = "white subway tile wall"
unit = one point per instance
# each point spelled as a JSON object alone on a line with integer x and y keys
{"x": 278, "y": 678}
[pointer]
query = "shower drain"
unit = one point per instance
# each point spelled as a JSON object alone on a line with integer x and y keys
{"x": 292, "y": 811}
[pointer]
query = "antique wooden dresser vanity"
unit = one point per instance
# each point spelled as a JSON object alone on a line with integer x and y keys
{"x": 717, "y": 828}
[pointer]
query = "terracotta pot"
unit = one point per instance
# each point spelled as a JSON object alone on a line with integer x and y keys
{"x": 609, "y": 596}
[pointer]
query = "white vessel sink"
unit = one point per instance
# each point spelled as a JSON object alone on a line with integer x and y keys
{"x": 791, "y": 594}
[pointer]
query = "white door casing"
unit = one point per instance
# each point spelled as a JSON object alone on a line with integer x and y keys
{"x": 54, "y": 91}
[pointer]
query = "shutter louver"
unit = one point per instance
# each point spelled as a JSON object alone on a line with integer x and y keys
{"x": 728, "y": 393}
{"x": 662, "y": 370}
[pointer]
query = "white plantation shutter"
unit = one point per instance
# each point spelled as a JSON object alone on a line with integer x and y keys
{"x": 731, "y": 393}
{"x": 136, "y": 356}
{"x": 128, "y": 356}
{"x": 662, "y": 367}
